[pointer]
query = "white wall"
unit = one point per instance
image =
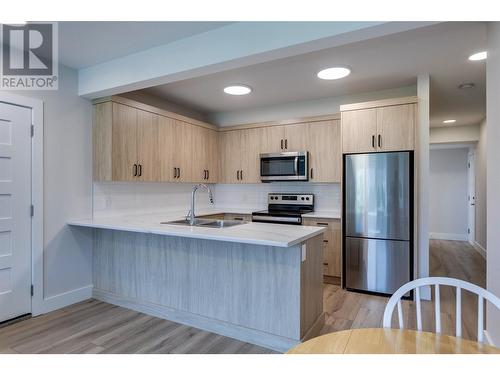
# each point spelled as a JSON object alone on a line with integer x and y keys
{"x": 481, "y": 220}
{"x": 316, "y": 107}
{"x": 125, "y": 198}
{"x": 67, "y": 188}
{"x": 454, "y": 134}
{"x": 448, "y": 208}
{"x": 422, "y": 180}
{"x": 493, "y": 175}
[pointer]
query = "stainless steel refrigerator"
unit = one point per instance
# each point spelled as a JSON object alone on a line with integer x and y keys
{"x": 378, "y": 221}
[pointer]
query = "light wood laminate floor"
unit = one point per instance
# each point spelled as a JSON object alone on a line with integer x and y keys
{"x": 97, "y": 327}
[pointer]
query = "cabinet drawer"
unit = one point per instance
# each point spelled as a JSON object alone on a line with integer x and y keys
{"x": 332, "y": 257}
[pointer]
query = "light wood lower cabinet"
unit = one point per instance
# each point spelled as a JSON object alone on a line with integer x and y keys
{"x": 332, "y": 251}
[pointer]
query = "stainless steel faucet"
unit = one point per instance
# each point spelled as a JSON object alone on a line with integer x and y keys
{"x": 191, "y": 214}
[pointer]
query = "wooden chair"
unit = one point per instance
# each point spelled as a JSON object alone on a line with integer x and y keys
{"x": 482, "y": 294}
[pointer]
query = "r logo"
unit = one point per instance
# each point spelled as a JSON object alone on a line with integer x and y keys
{"x": 27, "y": 50}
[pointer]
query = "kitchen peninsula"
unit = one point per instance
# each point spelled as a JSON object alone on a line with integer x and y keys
{"x": 256, "y": 282}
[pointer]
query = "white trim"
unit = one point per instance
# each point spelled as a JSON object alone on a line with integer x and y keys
{"x": 65, "y": 299}
{"x": 448, "y": 236}
{"x": 36, "y": 194}
{"x": 481, "y": 250}
{"x": 252, "y": 336}
{"x": 488, "y": 338}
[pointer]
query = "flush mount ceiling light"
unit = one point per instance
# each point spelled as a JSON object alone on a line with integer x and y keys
{"x": 468, "y": 85}
{"x": 478, "y": 56}
{"x": 334, "y": 73}
{"x": 449, "y": 121}
{"x": 238, "y": 90}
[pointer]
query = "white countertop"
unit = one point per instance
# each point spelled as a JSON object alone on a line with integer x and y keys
{"x": 280, "y": 235}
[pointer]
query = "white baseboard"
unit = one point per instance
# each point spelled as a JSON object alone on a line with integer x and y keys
{"x": 481, "y": 250}
{"x": 448, "y": 236}
{"x": 488, "y": 340}
{"x": 64, "y": 299}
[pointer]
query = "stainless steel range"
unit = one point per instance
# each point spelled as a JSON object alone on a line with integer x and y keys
{"x": 284, "y": 208}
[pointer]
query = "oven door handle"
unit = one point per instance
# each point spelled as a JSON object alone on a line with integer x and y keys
{"x": 276, "y": 219}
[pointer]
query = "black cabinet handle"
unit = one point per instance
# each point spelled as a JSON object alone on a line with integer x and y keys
{"x": 322, "y": 224}
{"x": 237, "y": 175}
{"x": 140, "y": 170}
{"x": 286, "y": 144}
{"x": 379, "y": 140}
{"x": 208, "y": 174}
{"x": 282, "y": 144}
{"x": 241, "y": 174}
{"x": 325, "y": 241}
{"x": 175, "y": 172}
{"x": 135, "y": 170}
{"x": 179, "y": 176}
{"x": 373, "y": 141}
{"x": 312, "y": 173}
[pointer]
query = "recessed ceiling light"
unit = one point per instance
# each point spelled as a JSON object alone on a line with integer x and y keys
{"x": 238, "y": 90}
{"x": 334, "y": 73}
{"x": 449, "y": 121}
{"x": 478, "y": 56}
{"x": 468, "y": 85}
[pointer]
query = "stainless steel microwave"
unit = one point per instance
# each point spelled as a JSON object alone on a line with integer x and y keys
{"x": 284, "y": 166}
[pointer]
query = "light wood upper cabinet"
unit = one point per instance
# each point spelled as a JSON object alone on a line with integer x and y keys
{"x": 388, "y": 125}
{"x": 124, "y": 143}
{"x": 205, "y": 155}
{"x": 251, "y": 148}
{"x": 359, "y": 131}
{"x": 271, "y": 138}
{"x": 132, "y": 143}
{"x": 148, "y": 158}
{"x": 297, "y": 137}
{"x": 325, "y": 154}
{"x": 395, "y": 127}
{"x": 231, "y": 155}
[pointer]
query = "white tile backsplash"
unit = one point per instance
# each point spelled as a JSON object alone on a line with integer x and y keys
{"x": 327, "y": 196}
{"x": 123, "y": 198}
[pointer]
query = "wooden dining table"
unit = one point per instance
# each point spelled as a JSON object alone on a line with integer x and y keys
{"x": 390, "y": 341}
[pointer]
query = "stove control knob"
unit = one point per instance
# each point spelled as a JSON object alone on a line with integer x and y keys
{"x": 302, "y": 198}
{"x": 272, "y": 198}
{"x": 307, "y": 198}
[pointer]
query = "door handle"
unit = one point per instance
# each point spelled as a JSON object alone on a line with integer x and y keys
{"x": 373, "y": 141}
{"x": 241, "y": 174}
{"x": 282, "y": 144}
{"x": 237, "y": 175}
{"x": 179, "y": 176}
{"x": 208, "y": 174}
{"x": 379, "y": 141}
{"x": 286, "y": 144}
{"x": 135, "y": 170}
{"x": 175, "y": 172}
{"x": 140, "y": 170}
{"x": 312, "y": 173}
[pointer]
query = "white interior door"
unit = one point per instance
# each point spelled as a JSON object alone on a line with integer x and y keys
{"x": 15, "y": 211}
{"x": 471, "y": 198}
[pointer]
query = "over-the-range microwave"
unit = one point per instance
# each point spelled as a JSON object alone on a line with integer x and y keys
{"x": 284, "y": 166}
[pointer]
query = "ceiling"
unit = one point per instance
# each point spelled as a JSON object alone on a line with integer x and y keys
{"x": 377, "y": 64}
{"x": 82, "y": 44}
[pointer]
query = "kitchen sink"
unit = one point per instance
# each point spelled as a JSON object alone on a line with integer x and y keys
{"x": 208, "y": 223}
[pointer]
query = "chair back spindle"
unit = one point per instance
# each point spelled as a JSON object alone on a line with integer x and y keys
{"x": 483, "y": 295}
